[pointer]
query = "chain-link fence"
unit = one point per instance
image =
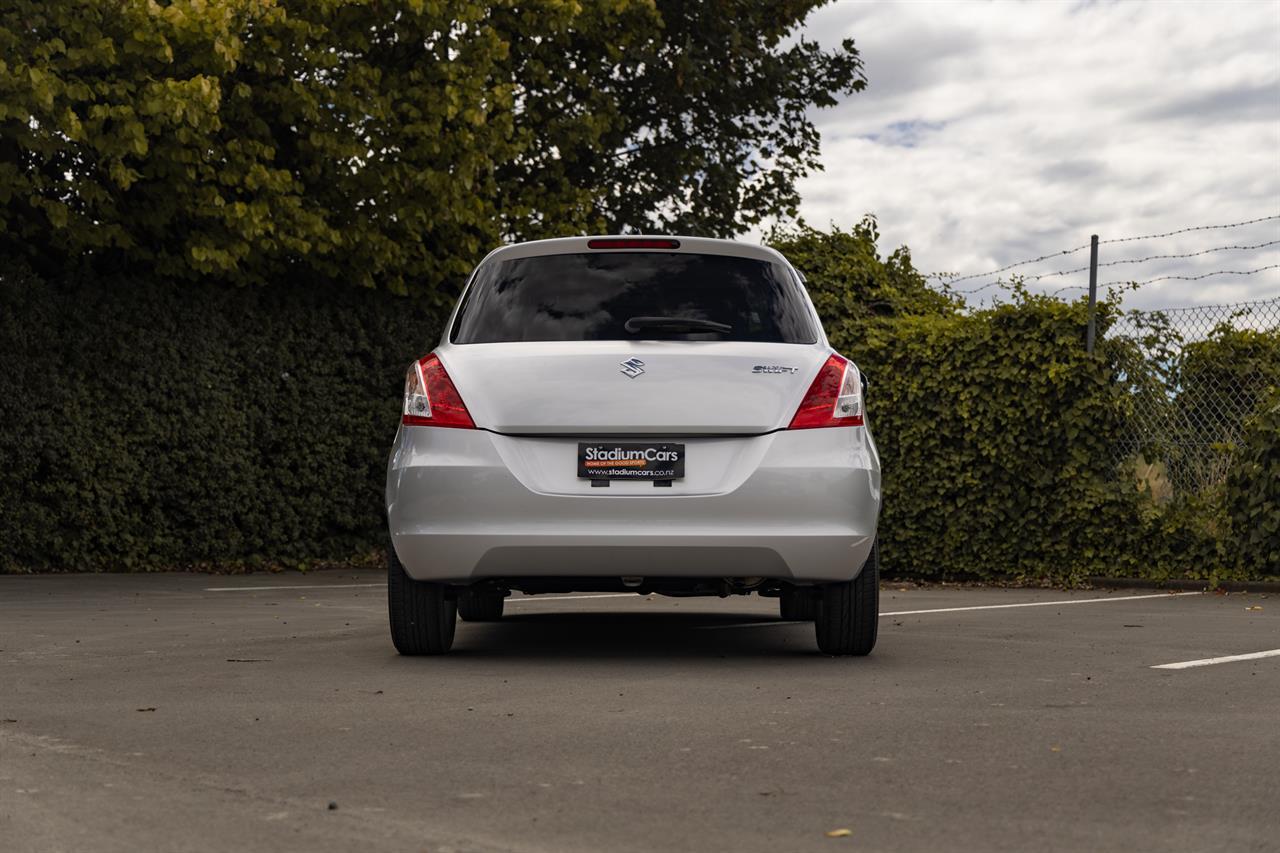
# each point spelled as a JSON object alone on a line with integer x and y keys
{"x": 1196, "y": 374}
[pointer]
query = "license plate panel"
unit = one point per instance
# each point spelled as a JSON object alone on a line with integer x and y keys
{"x": 627, "y": 460}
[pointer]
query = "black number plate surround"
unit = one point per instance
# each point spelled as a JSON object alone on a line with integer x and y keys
{"x": 613, "y": 460}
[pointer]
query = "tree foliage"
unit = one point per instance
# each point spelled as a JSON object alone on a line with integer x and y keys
{"x": 390, "y": 144}
{"x": 698, "y": 115}
{"x": 850, "y": 282}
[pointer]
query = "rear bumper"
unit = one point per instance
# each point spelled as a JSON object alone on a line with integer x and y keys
{"x": 806, "y": 512}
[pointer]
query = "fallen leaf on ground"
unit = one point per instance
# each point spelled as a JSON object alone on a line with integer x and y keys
{"x": 840, "y": 833}
{"x": 1055, "y": 749}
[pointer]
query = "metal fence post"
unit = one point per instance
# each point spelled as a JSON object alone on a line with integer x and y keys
{"x": 1093, "y": 292}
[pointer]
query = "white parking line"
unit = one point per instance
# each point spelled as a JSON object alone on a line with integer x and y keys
{"x": 1042, "y": 603}
{"x": 1188, "y": 664}
{"x": 735, "y": 625}
{"x": 299, "y": 586}
{"x": 975, "y": 607}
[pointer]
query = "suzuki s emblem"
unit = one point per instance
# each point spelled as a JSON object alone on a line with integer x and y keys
{"x": 633, "y": 367}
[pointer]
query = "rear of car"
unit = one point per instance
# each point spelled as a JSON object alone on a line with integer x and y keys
{"x": 649, "y": 414}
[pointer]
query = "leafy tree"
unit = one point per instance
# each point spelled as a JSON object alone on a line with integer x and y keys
{"x": 855, "y": 289}
{"x": 697, "y": 116}
{"x": 389, "y": 144}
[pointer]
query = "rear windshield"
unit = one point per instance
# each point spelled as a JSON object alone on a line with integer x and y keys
{"x": 592, "y": 296}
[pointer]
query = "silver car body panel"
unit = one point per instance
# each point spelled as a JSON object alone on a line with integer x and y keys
{"x": 757, "y": 500}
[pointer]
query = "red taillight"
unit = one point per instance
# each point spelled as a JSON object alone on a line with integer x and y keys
{"x": 430, "y": 398}
{"x": 632, "y": 243}
{"x": 834, "y": 399}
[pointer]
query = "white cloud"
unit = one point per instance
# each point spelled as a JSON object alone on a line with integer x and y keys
{"x": 993, "y": 132}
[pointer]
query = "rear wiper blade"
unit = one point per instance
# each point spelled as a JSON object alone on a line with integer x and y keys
{"x": 676, "y": 324}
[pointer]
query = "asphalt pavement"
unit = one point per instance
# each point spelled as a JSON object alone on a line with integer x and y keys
{"x": 189, "y": 712}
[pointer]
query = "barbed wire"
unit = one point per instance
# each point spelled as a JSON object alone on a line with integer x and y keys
{"x": 949, "y": 279}
{"x": 1195, "y": 277}
{"x": 1153, "y": 258}
{"x": 1123, "y": 282}
{"x": 995, "y": 283}
{"x": 1193, "y": 228}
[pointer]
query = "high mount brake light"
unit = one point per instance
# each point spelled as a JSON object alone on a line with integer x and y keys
{"x": 430, "y": 398}
{"x": 833, "y": 400}
{"x": 632, "y": 243}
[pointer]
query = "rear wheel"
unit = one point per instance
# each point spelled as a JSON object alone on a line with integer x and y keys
{"x": 849, "y": 613}
{"x": 798, "y": 605}
{"x": 422, "y": 618}
{"x": 480, "y": 605}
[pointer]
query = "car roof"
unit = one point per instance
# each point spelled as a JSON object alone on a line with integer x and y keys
{"x": 690, "y": 245}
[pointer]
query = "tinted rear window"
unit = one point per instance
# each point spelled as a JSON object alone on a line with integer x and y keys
{"x": 590, "y": 296}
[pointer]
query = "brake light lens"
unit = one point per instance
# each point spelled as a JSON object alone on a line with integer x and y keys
{"x": 632, "y": 243}
{"x": 430, "y": 398}
{"x": 834, "y": 399}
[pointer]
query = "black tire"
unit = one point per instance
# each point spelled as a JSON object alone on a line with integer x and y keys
{"x": 849, "y": 613}
{"x": 480, "y": 606}
{"x": 798, "y": 605}
{"x": 423, "y": 619}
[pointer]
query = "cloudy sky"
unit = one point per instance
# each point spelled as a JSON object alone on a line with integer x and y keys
{"x": 992, "y": 132}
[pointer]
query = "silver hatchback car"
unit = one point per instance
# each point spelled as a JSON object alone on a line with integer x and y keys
{"x": 647, "y": 414}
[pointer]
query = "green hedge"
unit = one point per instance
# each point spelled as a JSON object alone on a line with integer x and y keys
{"x": 1000, "y": 435}
{"x": 999, "y": 438}
{"x": 995, "y": 430}
{"x": 149, "y": 426}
